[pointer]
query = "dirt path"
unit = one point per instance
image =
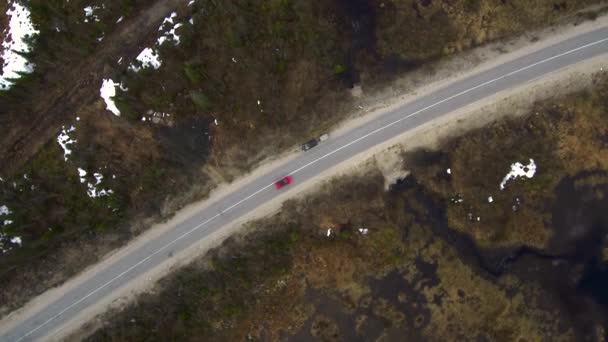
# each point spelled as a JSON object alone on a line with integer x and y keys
{"x": 76, "y": 89}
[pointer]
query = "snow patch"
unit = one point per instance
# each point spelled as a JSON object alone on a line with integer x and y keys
{"x": 147, "y": 58}
{"x": 449, "y": 171}
{"x": 64, "y": 140}
{"x": 6, "y": 246}
{"x": 93, "y": 190}
{"x": 6, "y": 243}
{"x": 170, "y": 34}
{"x": 4, "y": 210}
{"x": 490, "y": 199}
{"x": 519, "y": 170}
{"x": 20, "y": 31}
{"x": 89, "y": 13}
{"x": 82, "y": 174}
{"x": 98, "y": 178}
{"x": 107, "y": 92}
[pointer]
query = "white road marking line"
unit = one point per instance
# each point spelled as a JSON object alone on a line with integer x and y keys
{"x": 300, "y": 169}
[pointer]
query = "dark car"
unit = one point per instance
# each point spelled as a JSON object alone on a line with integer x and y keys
{"x": 283, "y": 182}
{"x": 310, "y": 144}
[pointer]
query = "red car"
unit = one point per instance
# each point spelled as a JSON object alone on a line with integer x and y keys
{"x": 283, "y": 182}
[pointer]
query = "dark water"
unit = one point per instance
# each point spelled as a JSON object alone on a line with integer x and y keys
{"x": 337, "y": 315}
{"x": 580, "y": 223}
{"x": 571, "y": 270}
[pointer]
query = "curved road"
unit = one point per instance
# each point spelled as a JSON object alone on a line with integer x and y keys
{"x": 303, "y": 168}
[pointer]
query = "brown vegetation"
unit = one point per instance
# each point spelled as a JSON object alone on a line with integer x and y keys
{"x": 298, "y": 58}
{"x": 421, "y": 269}
{"x": 564, "y": 138}
{"x": 287, "y": 279}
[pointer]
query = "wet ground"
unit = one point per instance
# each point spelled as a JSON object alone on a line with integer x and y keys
{"x": 571, "y": 272}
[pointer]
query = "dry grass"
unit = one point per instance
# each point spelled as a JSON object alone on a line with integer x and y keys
{"x": 564, "y": 137}
{"x": 344, "y": 270}
{"x": 297, "y": 57}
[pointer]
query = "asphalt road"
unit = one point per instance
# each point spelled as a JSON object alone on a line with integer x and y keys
{"x": 303, "y": 168}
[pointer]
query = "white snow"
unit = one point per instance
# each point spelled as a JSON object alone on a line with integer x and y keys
{"x": 519, "y": 170}
{"x": 4, "y": 210}
{"x": 82, "y": 174}
{"x": 329, "y": 232}
{"x": 147, "y": 58}
{"x": 170, "y": 34}
{"x": 490, "y": 199}
{"x": 7, "y": 222}
{"x": 168, "y": 20}
{"x": 216, "y": 122}
{"x": 92, "y": 190}
{"x": 191, "y": 2}
{"x": 449, "y": 171}
{"x": 363, "y": 231}
{"x": 89, "y": 13}
{"x": 16, "y": 240}
{"x": 107, "y": 91}
{"x": 98, "y": 177}
{"x": 20, "y": 28}
{"x": 65, "y": 141}
{"x": 119, "y": 20}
